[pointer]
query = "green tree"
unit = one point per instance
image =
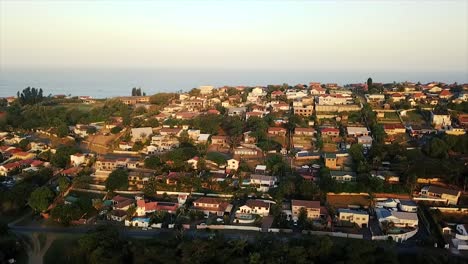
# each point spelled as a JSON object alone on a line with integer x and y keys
{"x": 153, "y": 162}
{"x": 30, "y": 96}
{"x": 61, "y": 157}
{"x": 117, "y": 180}
{"x": 62, "y": 130}
{"x": 40, "y": 199}
{"x": 233, "y": 126}
{"x": 115, "y": 130}
{"x": 63, "y": 183}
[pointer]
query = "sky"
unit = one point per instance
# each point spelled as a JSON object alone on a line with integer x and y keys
{"x": 268, "y": 35}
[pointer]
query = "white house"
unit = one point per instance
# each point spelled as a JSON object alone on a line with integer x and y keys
{"x": 141, "y": 133}
{"x": 257, "y": 207}
{"x": 440, "y": 119}
{"x": 193, "y": 162}
{"x": 399, "y": 219}
{"x": 263, "y": 182}
{"x": 408, "y": 206}
{"x": 343, "y": 176}
{"x": 206, "y": 89}
{"x": 361, "y": 218}
{"x": 232, "y": 164}
{"x": 138, "y": 222}
{"x": 77, "y": 159}
{"x": 357, "y": 131}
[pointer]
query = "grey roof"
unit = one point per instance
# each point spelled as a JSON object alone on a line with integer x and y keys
{"x": 342, "y": 173}
{"x": 440, "y": 190}
{"x": 262, "y": 177}
{"x": 408, "y": 203}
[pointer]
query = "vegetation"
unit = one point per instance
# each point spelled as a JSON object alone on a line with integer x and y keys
{"x": 117, "y": 180}
{"x": 40, "y": 199}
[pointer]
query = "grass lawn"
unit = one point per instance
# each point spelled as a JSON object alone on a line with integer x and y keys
{"x": 81, "y": 107}
{"x": 391, "y": 116}
{"x": 414, "y": 117}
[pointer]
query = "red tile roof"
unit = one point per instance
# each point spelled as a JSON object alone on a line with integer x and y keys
{"x": 306, "y": 204}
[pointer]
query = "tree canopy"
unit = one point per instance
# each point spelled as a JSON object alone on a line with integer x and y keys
{"x": 40, "y": 199}
{"x": 117, "y": 180}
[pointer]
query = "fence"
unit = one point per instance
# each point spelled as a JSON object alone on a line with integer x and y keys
{"x": 230, "y": 227}
{"x": 334, "y": 234}
{"x": 397, "y": 237}
{"x": 450, "y": 209}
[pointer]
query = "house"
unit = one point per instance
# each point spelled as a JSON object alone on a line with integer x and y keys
{"x": 186, "y": 115}
{"x": 263, "y": 182}
{"x": 221, "y": 141}
{"x": 408, "y": 206}
{"x": 247, "y": 151}
{"x": 331, "y": 161}
{"x": 144, "y": 208}
{"x": 206, "y": 89}
{"x": 232, "y": 164}
{"x": 387, "y": 203}
{"x": 399, "y": 219}
{"x": 141, "y": 133}
{"x": 118, "y": 215}
{"x": 253, "y": 114}
{"x": 360, "y": 218}
{"x": 257, "y": 207}
{"x": 121, "y": 203}
{"x": 5, "y": 169}
{"x": 280, "y": 107}
{"x": 210, "y": 205}
{"x": 397, "y": 97}
{"x": 164, "y": 142}
{"x": 193, "y": 162}
{"x": 304, "y": 131}
{"x": 312, "y": 208}
{"x": 440, "y": 119}
{"x": 357, "y": 131}
{"x": 138, "y": 222}
{"x": 276, "y": 94}
{"x": 330, "y": 131}
{"x": 111, "y": 163}
{"x": 445, "y": 94}
{"x": 293, "y": 94}
{"x": 394, "y": 129}
{"x": 343, "y": 176}
{"x": 127, "y": 146}
{"x": 236, "y": 111}
{"x": 77, "y": 159}
{"x": 261, "y": 169}
{"x": 451, "y": 196}
{"x": 375, "y": 98}
{"x": 335, "y": 99}
{"x": 133, "y": 100}
{"x": 317, "y": 90}
{"x": 365, "y": 141}
{"x": 304, "y": 111}
{"x": 166, "y": 131}
{"x": 277, "y": 131}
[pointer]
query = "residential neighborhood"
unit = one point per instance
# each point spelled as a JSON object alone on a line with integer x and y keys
{"x": 364, "y": 161}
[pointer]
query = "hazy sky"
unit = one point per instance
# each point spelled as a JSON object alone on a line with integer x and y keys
{"x": 278, "y": 35}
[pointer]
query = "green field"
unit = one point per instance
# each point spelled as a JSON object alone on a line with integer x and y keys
{"x": 391, "y": 116}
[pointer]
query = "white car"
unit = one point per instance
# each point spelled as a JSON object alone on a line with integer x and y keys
{"x": 144, "y": 228}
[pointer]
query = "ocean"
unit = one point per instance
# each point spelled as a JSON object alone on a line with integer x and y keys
{"x": 103, "y": 83}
